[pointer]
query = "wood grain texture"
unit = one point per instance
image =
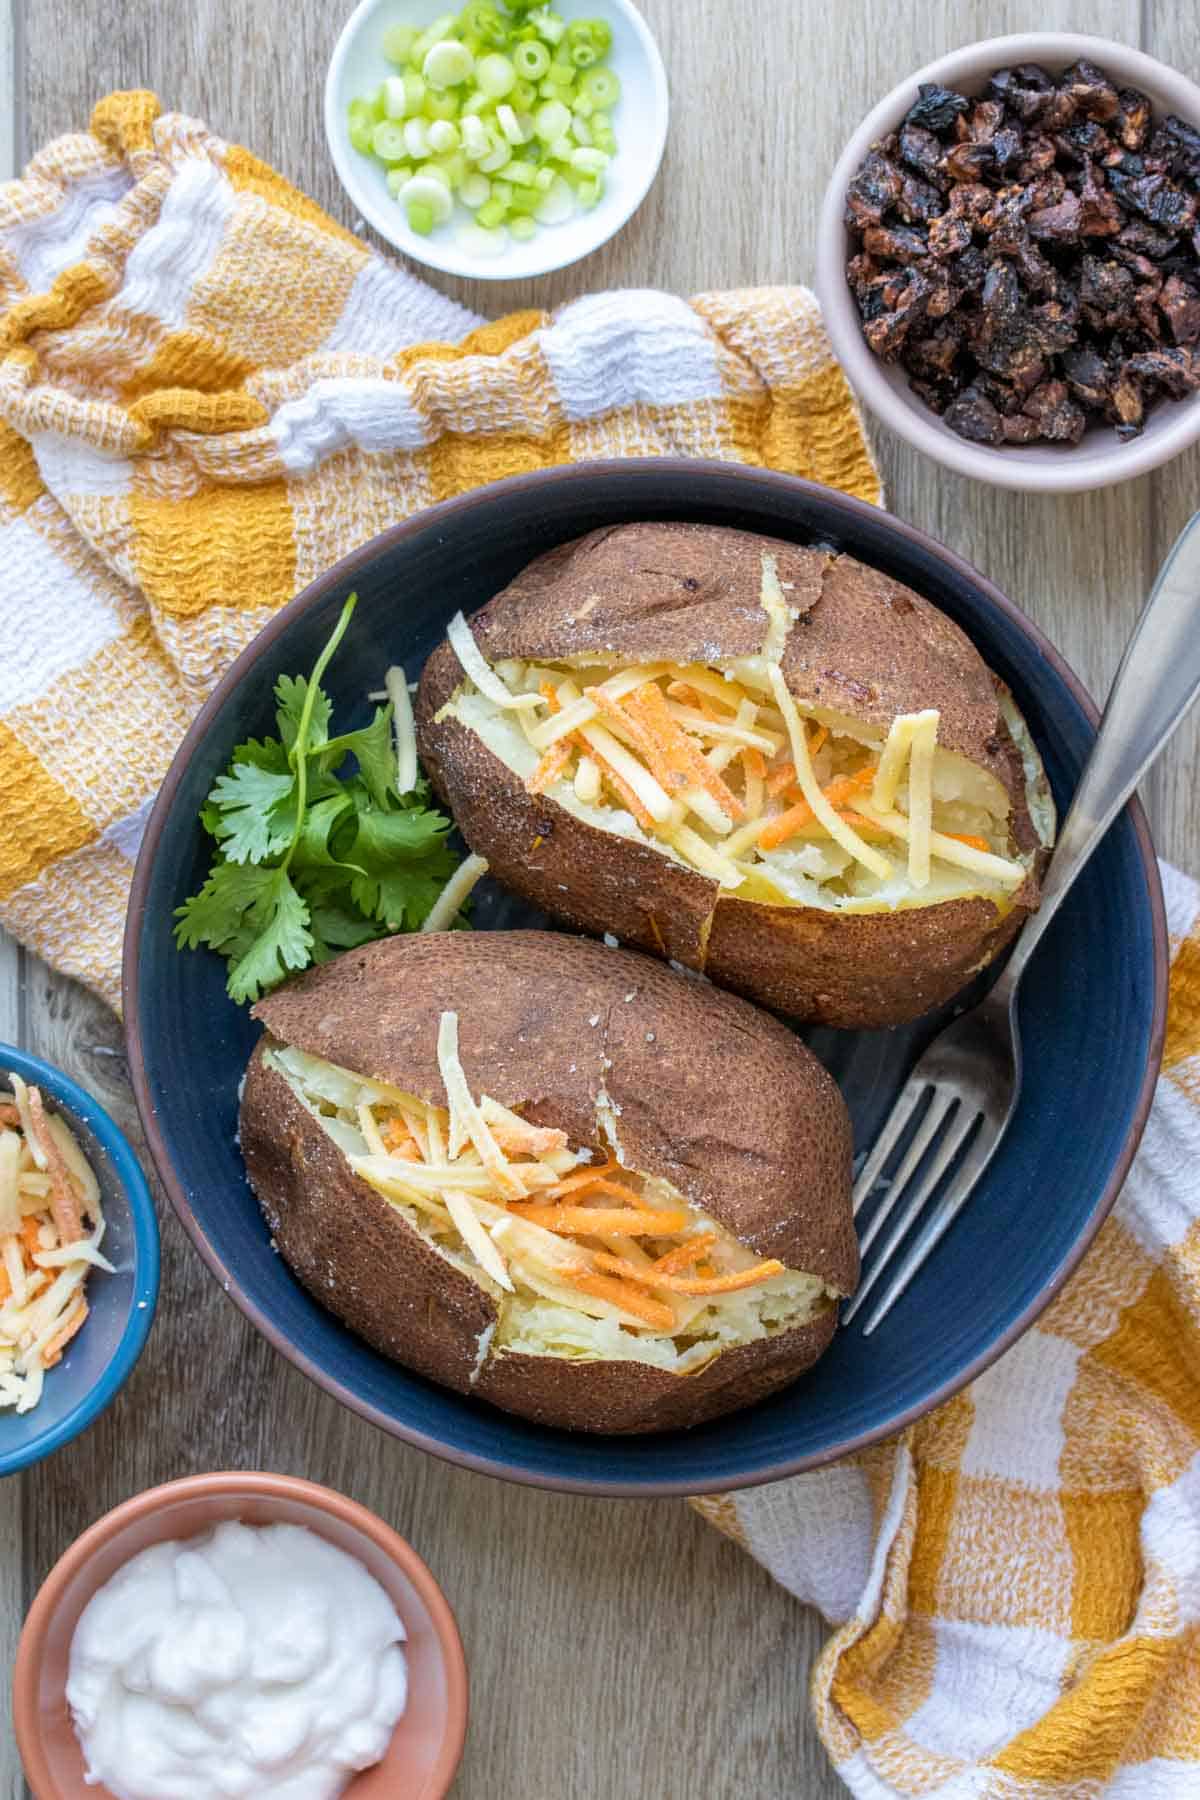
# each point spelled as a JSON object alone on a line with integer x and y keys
{"x": 627, "y": 1599}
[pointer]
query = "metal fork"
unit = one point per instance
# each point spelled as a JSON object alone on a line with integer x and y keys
{"x": 969, "y": 1079}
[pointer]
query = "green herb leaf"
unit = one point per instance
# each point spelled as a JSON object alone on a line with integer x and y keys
{"x": 311, "y": 862}
{"x": 282, "y": 945}
{"x": 291, "y": 691}
{"x": 217, "y": 914}
{"x": 376, "y": 753}
{"x": 247, "y": 800}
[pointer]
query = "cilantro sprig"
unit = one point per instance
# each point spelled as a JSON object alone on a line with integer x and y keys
{"x": 316, "y": 850}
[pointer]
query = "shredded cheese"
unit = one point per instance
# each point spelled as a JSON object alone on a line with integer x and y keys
{"x": 709, "y": 861}
{"x": 404, "y": 729}
{"x": 839, "y": 831}
{"x": 893, "y": 760}
{"x": 780, "y": 616}
{"x": 920, "y": 797}
{"x": 458, "y": 1095}
{"x": 587, "y": 781}
{"x": 458, "y": 636}
{"x": 950, "y": 850}
{"x": 450, "y": 901}
{"x": 10, "y": 1189}
{"x": 21, "y": 1097}
{"x": 466, "y": 1221}
{"x": 652, "y": 796}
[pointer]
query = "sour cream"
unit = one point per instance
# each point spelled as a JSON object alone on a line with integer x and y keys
{"x": 256, "y": 1660}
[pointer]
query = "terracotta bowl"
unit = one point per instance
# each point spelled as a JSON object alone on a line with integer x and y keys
{"x": 427, "y": 1743}
{"x": 1100, "y": 459}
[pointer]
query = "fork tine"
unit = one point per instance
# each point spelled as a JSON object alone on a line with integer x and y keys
{"x": 893, "y": 1126}
{"x": 935, "y": 1227}
{"x": 936, "y": 1114}
{"x": 960, "y": 1128}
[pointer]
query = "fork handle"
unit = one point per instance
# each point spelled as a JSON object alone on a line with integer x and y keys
{"x": 1157, "y": 682}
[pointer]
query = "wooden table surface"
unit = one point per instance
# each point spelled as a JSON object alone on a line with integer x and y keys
{"x": 616, "y": 1648}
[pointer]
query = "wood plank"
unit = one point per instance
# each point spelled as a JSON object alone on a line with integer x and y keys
{"x": 638, "y": 1600}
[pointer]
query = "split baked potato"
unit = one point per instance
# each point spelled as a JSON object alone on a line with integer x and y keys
{"x": 762, "y": 761}
{"x": 555, "y": 1175}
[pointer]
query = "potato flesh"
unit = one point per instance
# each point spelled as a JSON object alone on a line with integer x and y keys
{"x": 808, "y": 868}
{"x": 548, "y": 1319}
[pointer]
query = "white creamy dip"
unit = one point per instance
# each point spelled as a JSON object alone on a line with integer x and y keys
{"x": 255, "y": 1660}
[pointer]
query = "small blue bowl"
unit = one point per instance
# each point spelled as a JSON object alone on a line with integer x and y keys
{"x": 100, "y": 1359}
{"x": 1093, "y": 1007}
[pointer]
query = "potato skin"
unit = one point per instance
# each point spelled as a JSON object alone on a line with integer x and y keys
{"x": 713, "y": 1096}
{"x": 862, "y": 644}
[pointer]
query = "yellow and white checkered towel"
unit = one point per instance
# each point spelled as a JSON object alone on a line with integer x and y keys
{"x": 208, "y": 393}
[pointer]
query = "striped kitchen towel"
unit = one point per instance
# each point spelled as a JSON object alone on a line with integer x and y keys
{"x": 208, "y": 393}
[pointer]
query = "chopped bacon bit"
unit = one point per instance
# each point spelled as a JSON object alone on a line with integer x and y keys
{"x": 686, "y": 1284}
{"x": 685, "y": 1254}
{"x": 603, "y": 1287}
{"x": 597, "y": 1221}
{"x": 64, "y": 1201}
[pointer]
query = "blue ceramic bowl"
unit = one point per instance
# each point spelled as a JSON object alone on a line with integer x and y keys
{"x": 98, "y": 1362}
{"x": 1093, "y": 1009}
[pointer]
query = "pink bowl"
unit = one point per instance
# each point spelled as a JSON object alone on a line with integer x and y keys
{"x": 427, "y": 1743}
{"x": 1099, "y": 459}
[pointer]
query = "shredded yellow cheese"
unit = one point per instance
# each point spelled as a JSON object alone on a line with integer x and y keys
{"x": 404, "y": 730}
{"x": 950, "y": 850}
{"x": 839, "y": 831}
{"x": 922, "y": 745}
{"x": 449, "y": 902}
{"x": 780, "y": 616}
{"x": 465, "y": 1116}
{"x": 474, "y": 665}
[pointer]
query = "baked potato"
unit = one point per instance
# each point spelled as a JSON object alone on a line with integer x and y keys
{"x": 766, "y": 762}
{"x": 557, "y": 1176}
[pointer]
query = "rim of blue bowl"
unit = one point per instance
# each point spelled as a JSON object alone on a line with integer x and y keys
{"x": 338, "y": 576}
{"x": 146, "y": 1257}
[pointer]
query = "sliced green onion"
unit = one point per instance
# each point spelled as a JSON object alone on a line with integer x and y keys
{"x": 420, "y": 218}
{"x": 531, "y": 60}
{"x": 509, "y": 124}
{"x": 556, "y": 207}
{"x": 397, "y": 177}
{"x": 551, "y": 27}
{"x": 580, "y": 129}
{"x": 491, "y": 213}
{"x": 524, "y": 96}
{"x": 584, "y": 55}
{"x": 601, "y": 87}
{"x": 448, "y": 64}
{"x": 544, "y": 180}
{"x": 589, "y": 190}
{"x": 414, "y": 91}
{"x": 443, "y": 136}
{"x": 483, "y": 21}
{"x": 398, "y": 40}
{"x": 435, "y": 172}
{"x": 589, "y": 161}
{"x": 495, "y": 75}
{"x": 503, "y": 192}
{"x": 525, "y": 201}
{"x": 416, "y": 139}
{"x": 522, "y": 228}
{"x": 476, "y": 141}
{"x": 604, "y": 140}
{"x": 395, "y": 99}
{"x": 475, "y": 191}
{"x": 583, "y": 106}
{"x": 388, "y": 142}
{"x": 551, "y": 120}
{"x": 497, "y": 158}
{"x": 362, "y": 125}
{"x": 474, "y": 104}
{"x": 440, "y": 103}
{"x": 425, "y": 190}
{"x": 521, "y": 173}
{"x": 560, "y": 150}
{"x": 455, "y": 167}
{"x": 433, "y": 34}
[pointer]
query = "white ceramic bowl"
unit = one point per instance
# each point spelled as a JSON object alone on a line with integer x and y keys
{"x": 639, "y": 121}
{"x": 1100, "y": 459}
